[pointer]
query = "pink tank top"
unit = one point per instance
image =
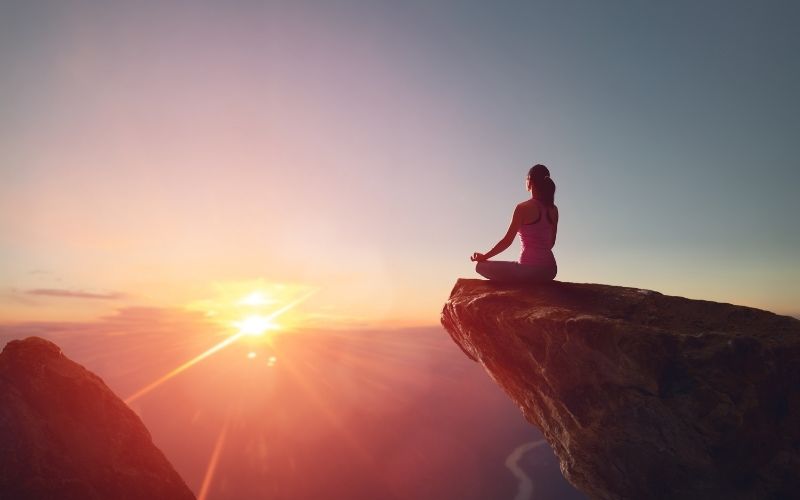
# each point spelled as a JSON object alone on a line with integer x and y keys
{"x": 537, "y": 240}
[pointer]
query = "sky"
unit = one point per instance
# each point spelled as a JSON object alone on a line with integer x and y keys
{"x": 168, "y": 154}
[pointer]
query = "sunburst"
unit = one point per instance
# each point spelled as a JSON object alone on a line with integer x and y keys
{"x": 249, "y": 326}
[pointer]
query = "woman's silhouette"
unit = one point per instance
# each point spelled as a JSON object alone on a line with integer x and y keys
{"x": 536, "y": 221}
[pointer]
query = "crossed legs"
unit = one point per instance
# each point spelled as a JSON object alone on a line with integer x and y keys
{"x": 514, "y": 272}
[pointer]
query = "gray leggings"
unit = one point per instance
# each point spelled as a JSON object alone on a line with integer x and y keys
{"x": 514, "y": 272}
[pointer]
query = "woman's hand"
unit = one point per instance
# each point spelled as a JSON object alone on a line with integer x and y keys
{"x": 516, "y": 220}
{"x": 478, "y": 257}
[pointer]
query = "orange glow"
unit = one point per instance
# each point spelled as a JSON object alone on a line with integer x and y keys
{"x": 255, "y": 325}
{"x": 212, "y": 463}
{"x": 256, "y": 298}
{"x": 225, "y": 343}
{"x": 149, "y": 387}
{"x": 247, "y": 305}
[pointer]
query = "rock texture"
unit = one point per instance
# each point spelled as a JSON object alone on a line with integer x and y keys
{"x": 643, "y": 395}
{"x": 64, "y": 435}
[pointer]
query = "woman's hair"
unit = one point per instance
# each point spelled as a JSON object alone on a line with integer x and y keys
{"x": 543, "y": 184}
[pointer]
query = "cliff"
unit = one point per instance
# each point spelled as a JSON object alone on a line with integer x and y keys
{"x": 643, "y": 395}
{"x": 65, "y": 435}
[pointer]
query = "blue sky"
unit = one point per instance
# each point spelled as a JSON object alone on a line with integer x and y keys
{"x": 381, "y": 143}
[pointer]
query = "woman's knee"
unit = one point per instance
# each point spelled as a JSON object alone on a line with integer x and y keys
{"x": 481, "y": 268}
{"x": 498, "y": 270}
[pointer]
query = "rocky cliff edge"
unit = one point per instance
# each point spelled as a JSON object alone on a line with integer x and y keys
{"x": 640, "y": 394}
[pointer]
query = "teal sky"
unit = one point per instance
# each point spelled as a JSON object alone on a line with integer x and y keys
{"x": 211, "y": 141}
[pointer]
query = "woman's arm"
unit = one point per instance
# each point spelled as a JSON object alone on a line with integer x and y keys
{"x": 507, "y": 240}
{"x": 555, "y": 228}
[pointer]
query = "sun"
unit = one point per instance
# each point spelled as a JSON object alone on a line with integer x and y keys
{"x": 255, "y": 325}
{"x": 238, "y": 305}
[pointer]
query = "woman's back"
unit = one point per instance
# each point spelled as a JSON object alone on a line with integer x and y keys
{"x": 538, "y": 237}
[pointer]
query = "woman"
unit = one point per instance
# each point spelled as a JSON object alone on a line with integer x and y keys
{"x": 536, "y": 221}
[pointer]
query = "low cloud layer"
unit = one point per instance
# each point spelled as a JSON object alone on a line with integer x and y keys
{"x": 75, "y": 294}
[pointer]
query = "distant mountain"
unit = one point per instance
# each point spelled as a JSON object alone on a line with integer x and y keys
{"x": 64, "y": 435}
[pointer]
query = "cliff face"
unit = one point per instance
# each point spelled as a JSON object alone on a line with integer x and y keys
{"x": 65, "y": 435}
{"x": 643, "y": 395}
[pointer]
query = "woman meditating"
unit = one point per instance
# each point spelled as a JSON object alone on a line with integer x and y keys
{"x": 536, "y": 221}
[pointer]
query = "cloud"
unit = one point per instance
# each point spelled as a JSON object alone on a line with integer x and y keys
{"x": 75, "y": 294}
{"x": 139, "y": 321}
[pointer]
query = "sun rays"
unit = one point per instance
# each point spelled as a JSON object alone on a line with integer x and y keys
{"x": 251, "y": 325}
{"x": 320, "y": 365}
{"x": 213, "y": 461}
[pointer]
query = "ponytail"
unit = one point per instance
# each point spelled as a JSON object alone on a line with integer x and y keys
{"x": 544, "y": 185}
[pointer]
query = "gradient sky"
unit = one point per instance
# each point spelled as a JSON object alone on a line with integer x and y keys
{"x": 153, "y": 152}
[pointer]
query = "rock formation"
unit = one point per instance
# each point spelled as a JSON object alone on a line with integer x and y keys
{"x": 64, "y": 435}
{"x": 643, "y": 395}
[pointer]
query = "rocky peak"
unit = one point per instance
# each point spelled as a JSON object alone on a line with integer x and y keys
{"x": 640, "y": 394}
{"x": 64, "y": 434}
